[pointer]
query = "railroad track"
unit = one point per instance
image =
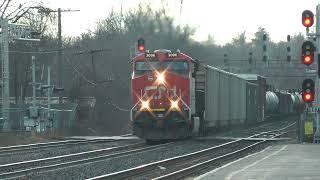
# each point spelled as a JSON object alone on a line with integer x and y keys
{"x": 29, "y": 147}
{"x": 25, "y": 168}
{"x": 188, "y": 164}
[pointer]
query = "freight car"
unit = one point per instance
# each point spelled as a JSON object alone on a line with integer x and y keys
{"x": 282, "y": 103}
{"x": 175, "y": 96}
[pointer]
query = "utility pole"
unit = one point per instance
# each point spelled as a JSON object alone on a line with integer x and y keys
{"x": 49, "y": 115}
{"x": 60, "y": 64}
{"x": 60, "y": 76}
{"x": 93, "y": 65}
{"x": 92, "y": 52}
{"x": 5, "y": 74}
{"x": 33, "y": 58}
{"x": 34, "y": 111}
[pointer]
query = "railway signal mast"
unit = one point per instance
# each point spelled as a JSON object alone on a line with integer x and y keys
{"x": 309, "y": 87}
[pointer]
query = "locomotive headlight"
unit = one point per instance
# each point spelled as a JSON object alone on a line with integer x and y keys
{"x": 175, "y": 105}
{"x": 160, "y": 78}
{"x": 144, "y": 105}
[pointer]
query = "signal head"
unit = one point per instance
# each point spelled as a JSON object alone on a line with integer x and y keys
{"x": 307, "y": 55}
{"x": 308, "y": 90}
{"x": 264, "y": 37}
{"x": 307, "y": 18}
{"x": 141, "y": 45}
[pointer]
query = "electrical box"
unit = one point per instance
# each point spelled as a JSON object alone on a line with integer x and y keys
{"x": 51, "y": 115}
{"x": 34, "y": 112}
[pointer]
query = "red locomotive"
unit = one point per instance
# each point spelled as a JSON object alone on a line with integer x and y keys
{"x": 161, "y": 82}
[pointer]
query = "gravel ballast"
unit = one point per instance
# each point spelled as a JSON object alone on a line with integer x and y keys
{"x": 128, "y": 161}
{"x": 45, "y": 152}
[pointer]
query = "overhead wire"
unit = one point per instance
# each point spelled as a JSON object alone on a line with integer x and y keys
{"x": 67, "y": 59}
{"x": 75, "y": 69}
{"x": 117, "y": 107}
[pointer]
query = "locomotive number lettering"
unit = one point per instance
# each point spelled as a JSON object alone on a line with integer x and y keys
{"x": 172, "y": 55}
{"x": 150, "y": 55}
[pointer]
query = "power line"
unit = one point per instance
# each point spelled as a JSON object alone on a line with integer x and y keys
{"x": 109, "y": 101}
{"x": 75, "y": 69}
{"x": 33, "y": 52}
{"x": 78, "y": 72}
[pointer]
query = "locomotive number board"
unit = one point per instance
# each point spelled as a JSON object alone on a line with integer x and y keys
{"x": 149, "y": 55}
{"x": 172, "y": 55}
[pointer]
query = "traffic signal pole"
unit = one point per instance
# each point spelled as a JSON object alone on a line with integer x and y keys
{"x": 317, "y": 133}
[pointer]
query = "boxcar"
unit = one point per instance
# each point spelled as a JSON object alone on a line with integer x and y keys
{"x": 261, "y": 83}
{"x": 228, "y": 99}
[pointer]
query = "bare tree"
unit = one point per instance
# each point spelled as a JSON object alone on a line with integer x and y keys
{"x": 32, "y": 13}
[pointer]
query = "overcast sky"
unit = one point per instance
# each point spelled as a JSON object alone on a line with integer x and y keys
{"x": 224, "y": 19}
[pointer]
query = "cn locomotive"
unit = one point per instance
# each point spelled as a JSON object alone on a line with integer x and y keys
{"x": 175, "y": 96}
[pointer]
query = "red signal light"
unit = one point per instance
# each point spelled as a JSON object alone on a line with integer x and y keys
{"x": 307, "y": 97}
{"x": 141, "y": 48}
{"x": 307, "y": 60}
{"x": 307, "y": 22}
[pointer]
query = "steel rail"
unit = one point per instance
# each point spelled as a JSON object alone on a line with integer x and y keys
{"x": 183, "y": 173}
{"x": 21, "y": 169}
{"x": 11, "y": 149}
{"x": 139, "y": 170}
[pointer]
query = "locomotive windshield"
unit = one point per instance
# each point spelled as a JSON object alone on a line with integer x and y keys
{"x": 147, "y": 66}
{"x": 180, "y": 67}
{"x": 143, "y": 66}
{"x": 175, "y": 65}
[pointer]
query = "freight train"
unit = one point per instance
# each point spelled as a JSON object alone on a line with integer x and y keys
{"x": 175, "y": 96}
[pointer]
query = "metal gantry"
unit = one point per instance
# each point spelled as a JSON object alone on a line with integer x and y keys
{"x": 5, "y": 85}
{"x": 9, "y": 32}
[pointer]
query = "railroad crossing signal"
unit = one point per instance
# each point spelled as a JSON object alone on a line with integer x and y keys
{"x": 308, "y": 90}
{"x": 307, "y": 18}
{"x": 307, "y": 55}
{"x": 141, "y": 45}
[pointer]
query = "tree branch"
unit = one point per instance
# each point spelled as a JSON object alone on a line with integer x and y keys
{"x": 17, "y": 11}
{"x": 2, "y": 4}
{"x": 21, "y": 15}
{"x": 5, "y": 8}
